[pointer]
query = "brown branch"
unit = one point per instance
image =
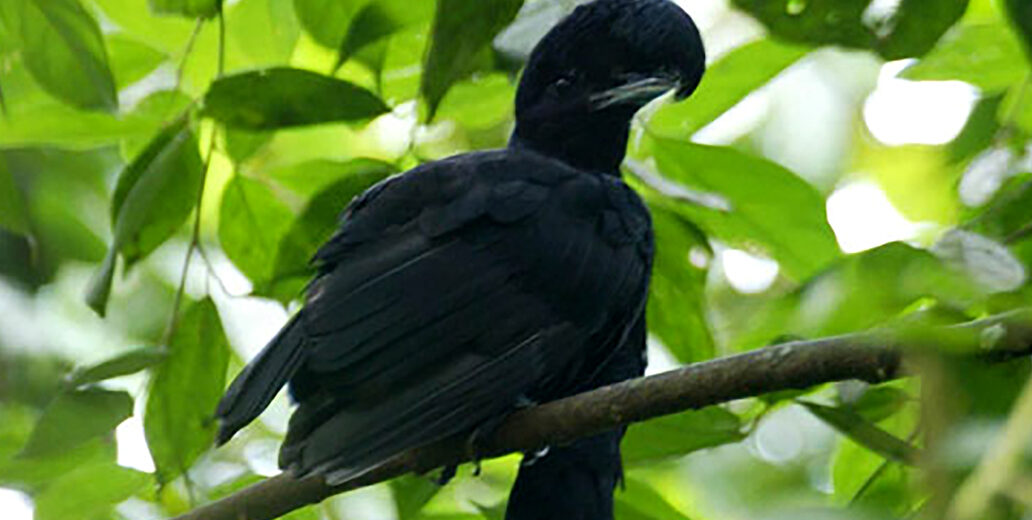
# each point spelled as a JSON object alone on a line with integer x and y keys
{"x": 873, "y": 357}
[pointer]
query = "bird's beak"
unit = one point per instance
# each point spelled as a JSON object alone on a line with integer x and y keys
{"x": 636, "y": 91}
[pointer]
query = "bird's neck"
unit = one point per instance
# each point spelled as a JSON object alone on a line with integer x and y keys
{"x": 597, "y": 143}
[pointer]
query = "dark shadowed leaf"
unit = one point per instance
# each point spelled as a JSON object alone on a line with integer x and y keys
{"x": 252, "y": 219}
{"x": 909, "y": 30}
{"x": 184, "y": 391}
{"x": 865, "y": 433}
{"x": 680, "y": 434}
{"x": 121, "y": 365}
{"x": 61, "y": 45}
{"x": 676, "y": 308}
{"x": 76, "y": 417}
{"x": 985, "y": 55}
{"x": 318, "y": 219}
{"x": 89, "y": 492}
{"x": 770, "y": 207}
{"x": 462, "y": 31}
{"x": 154, "y": 195}
{"x": 1020, "y": 12}
{"x": 284, "y": 97}
{"x": 726, "y": 83}
{"x": 188, "y": 8}
{"x": 878, "y": 403}
{"x": 13, "y": 214}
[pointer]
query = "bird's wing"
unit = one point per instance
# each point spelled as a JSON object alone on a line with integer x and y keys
{"x": 453, "y": 291}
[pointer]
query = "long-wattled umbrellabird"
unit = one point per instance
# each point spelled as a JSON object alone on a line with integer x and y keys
{"x": 456, "y": 291}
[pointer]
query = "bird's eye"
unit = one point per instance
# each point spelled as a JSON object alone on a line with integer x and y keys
{"x": 560, "y": 86}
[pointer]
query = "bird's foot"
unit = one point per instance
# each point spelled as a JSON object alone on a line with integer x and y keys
{"x": 447, "y": 473}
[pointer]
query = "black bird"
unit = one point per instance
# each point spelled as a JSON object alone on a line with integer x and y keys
{"x": 466, "y": 287}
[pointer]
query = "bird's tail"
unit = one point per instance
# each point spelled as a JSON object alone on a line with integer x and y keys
{"x": 254, "y": 388}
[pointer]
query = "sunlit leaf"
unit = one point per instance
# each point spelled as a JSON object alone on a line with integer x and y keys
{"x": 252, "y": 219}
{"x": 462, "y": 30}
{"x": 680, "y": 434}
{"x": 154, "y": 195}
{"x": 131, "y": 61}
{"x": 123, "y": 364}
{"x": 328, "y": 20}
{"x": 75, "y": 417}
{"x": 411, "y": 493}
{"x": 381, "y": 18}
{"x": 640, "y": 501}
{"x": 854, "y": 426}
{"x": 725, "y": 83}
{"x": 184, "y": 391}
{"x": 770, "y": 207}
{"x": 911, "y": 29}
{"x": 985, "y": 55}
{"x": 676, "y": 307}
{"x": 88, "y": 492}
{"x": 38, "y": 472}
{"x": 284, "y": 97}
{"x": 62, "y": 47}
{"x": 188, "y": 8}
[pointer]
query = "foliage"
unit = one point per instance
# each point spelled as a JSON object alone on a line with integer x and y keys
{"x": 186, "y": 152}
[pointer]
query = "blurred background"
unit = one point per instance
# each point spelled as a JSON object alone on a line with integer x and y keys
{"x": 844, "y": 165}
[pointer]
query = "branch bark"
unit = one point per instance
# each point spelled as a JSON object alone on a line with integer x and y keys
{"x": 871, "y": 357}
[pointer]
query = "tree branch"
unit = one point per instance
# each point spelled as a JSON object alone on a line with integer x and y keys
{"x": 871, "y": 357}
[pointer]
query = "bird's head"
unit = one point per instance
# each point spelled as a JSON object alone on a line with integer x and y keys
{"x": 589, "y": 75}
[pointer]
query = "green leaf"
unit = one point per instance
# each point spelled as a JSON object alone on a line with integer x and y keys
{"x": 677, "y": 303}
{"x": 986, "y": 55}
{"x": 910, "y": 30}
{"x": 771, "y": 209}
{"x": 252, "y": 219}
{"x": 318, "y": 219}
{"x": 725, "y": 83}
{"x": 131, "y": 61}
{"x": 39, "y": 472}
{"x": 284, "y": 97}
{"x": 327, "y": 20}
{"x": 858, "y": 292}
{"x": 89, "y": 492}
{"x": 61, "y": 45}
{"x": 13, "y": 214}
{"x": 865, "y": 433}
{"x": 379, "y": 19}
{"x": 154, "y": 195}
{"x": 462, "y": 32}
{"x": 123, "y": 364}
{"x": 411, "y": 493}
{"x": 640, "y": 501}
{"x": 184, "y": 391}
{"x": 76, "y": 417}
{"x": 1020, "y": 12}
{"x": 879, "y": 403}
{"x": 480, "y": 102}
{"x": 188, "y": 8}
{"x": 680, "y": 434}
